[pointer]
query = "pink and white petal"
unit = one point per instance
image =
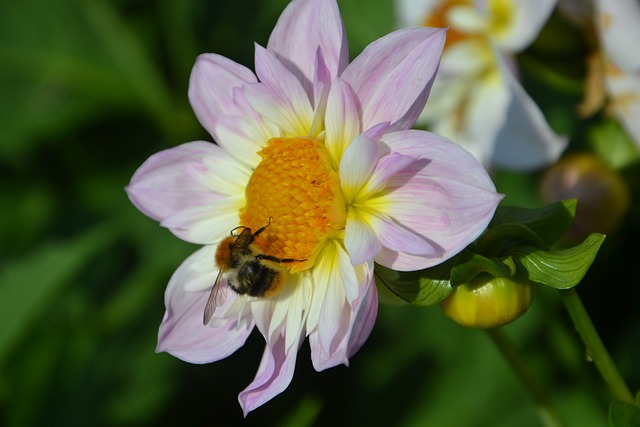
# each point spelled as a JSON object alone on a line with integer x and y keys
{"x": 387, "y": 167}
{"x": 529, "y": 18}
{"x": 444, "y": 159}
{"x": 274, "y": 375}
{"x": 285, "y": 311}
{"x": 303, "y": 27}
{"x": 364, "y": 319}
{"x": 327, "y": 269}
{"x": 356, "y": 325}
{"x": 448, "y": 213}
{"x": 393, "y": 75}
{"x": 285, "y": 88}
{"x": 171, "y": 181}
{"x": 327, "y": 355}
{"x": 433, "y": 199}
{"x": 617, "y": 22}
{"x": 321, "y": 87}
{"x": 375, "y": 132}
{"x": 299, "y": 304}
{"x": 206, "y": 224}
{"x": 213, "y": 79}
{"x": 357, "y": 163}
{"x": 360, "y": 240}
{"x": 341, "y": 120}
{"x": 182, "y": 333}
{"x": 321, "y": 84}
{"x": 240, "y": 137}
{"x": 526, "y": 141}
{"x": 397, "y": 237}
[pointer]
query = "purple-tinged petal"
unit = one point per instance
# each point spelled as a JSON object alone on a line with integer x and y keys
{"x": 360, "y": 240}
{"x": 244, "y": 135}
{"x": 206, "y": 224}
{"x": 526, "y": 141}
{"x": 321, "y": 86}
{"x": 342, "y": 120}
{"x": 335, "y": 287}
{"x": 433, "y": 199}
{"x": 285, "y": 311}
{"x": 274, "y": 375}
{"x": 397, "y": 238}
{"x": 182, "y": 333}
{"x": 387, "y": 167}
{"x": 213, "y": 79}
{"x": 364, "y": 319}
{"x": 375, "y": 132}
{"x": 356, "y": 166}
{"x": 393, "y": 75}
{"x": 279, "y": 97}
{"x": 303, "y": 27}
{"x": 327, "y": 273}
{"x": 171, "y": 181}
{"x": 355, "y": 325}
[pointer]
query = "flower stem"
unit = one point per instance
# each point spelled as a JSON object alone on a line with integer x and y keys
{"x": 595, "y": 348}
{"x": 548, "y": 412}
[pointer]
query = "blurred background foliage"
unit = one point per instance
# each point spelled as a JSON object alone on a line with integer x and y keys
{"x": 90, "y": 89}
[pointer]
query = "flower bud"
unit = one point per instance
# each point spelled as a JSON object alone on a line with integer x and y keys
{"x": 488, "y": 302}
{"x": 603, "y": 196}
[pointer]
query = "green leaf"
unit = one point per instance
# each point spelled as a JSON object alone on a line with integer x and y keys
{"x": 613, "y": 144}
{"x": 550, "y": 222}
{"x": 468, "y": 265}
{"x": 498, "y": 241}
{"x": 623, "y": 414}
{"x": 561, "y": 269}
{"x": 420, "y": 288}
{"x": 27, "y": 286}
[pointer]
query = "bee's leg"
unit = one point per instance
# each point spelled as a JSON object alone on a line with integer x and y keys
{"x": 278, "y": 260}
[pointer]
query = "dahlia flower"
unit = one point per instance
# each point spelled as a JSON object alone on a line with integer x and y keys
{"x": 477, "y": 100}
{"x": 316, "y": 152}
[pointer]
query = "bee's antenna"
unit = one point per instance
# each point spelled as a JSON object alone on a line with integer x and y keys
{"x": 263, "y": 228}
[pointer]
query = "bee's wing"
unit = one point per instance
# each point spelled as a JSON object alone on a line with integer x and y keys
{"x": 216, "y": 297}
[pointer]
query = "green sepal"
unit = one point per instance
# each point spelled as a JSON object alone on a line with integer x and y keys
{"x": 550, "y": 222}
{"x": 469, "y": 265}
{"x": 420, "y": 288}
{"x": 623, "y": 414}
{"x": 560, "y": 269}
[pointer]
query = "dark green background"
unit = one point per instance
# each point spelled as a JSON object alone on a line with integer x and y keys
{"x": 88, "y": 90}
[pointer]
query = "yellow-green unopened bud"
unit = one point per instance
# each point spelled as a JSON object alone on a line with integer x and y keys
{"x": 488, "y": 302}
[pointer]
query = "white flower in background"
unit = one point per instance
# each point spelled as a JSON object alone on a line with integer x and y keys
{"x": 618, "y": 27}
{"x": 614, "y": 65}
{"x": 476, "y": 99}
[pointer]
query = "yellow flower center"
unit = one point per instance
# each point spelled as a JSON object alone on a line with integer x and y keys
{"x": 296, "y": 188}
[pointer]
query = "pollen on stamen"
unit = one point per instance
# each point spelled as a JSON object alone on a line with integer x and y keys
{"x": 296, "y": 188}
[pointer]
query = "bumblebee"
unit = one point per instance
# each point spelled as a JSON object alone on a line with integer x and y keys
{"x": 246, "y": 270}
